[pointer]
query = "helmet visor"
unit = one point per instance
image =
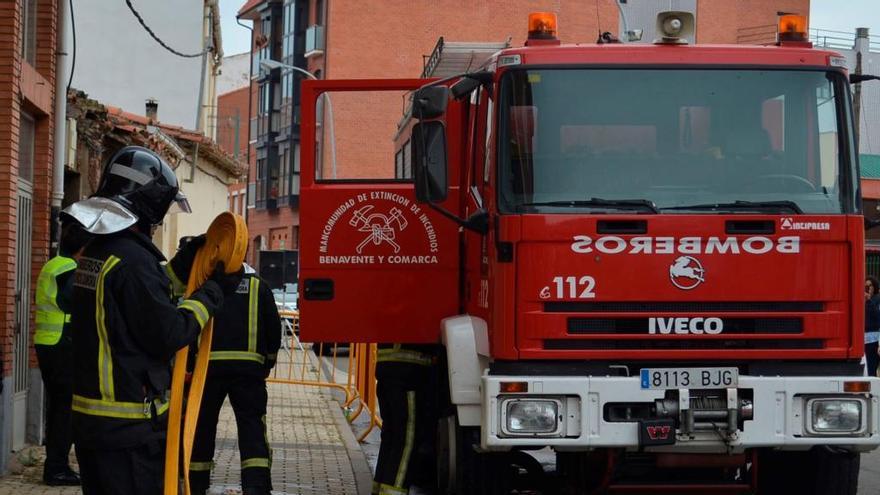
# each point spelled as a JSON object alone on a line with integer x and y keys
{"x": 180, "y": 204}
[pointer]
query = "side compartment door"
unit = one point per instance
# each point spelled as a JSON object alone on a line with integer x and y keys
{"x": 375, "y": 265}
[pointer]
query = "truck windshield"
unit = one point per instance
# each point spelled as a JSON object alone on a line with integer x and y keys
{"x": 679, "y": 141}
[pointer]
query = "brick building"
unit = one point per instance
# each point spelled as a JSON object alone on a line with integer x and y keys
{"x": 27, "y": 99}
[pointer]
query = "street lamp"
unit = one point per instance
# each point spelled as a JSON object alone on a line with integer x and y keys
{"x": 269, "y": 64}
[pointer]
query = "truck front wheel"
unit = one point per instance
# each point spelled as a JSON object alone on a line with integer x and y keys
{"x": 820, "y": 471}
{"x": 461, "y": 470}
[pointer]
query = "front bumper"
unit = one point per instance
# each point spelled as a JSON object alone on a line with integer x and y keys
{"x": 778, "y": 420}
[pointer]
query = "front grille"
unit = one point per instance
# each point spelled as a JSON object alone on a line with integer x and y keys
{"x": 655, "y": 344}
{"x": 684, "y": 307}
{"x": 636, "y": 326}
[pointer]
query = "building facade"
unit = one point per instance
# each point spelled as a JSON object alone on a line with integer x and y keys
{"x": 28, "y": 37}
{"x": 716, "y": 21}
{"x": 184, "y": 86}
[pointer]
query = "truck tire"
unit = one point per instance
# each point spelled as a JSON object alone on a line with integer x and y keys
{"x": 820, "y": 471}
{"x": 461, "y": 470}
{"x": 580, "y": 472}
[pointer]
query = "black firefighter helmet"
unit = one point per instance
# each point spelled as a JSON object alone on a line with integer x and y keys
{"x": 141, "y": 181}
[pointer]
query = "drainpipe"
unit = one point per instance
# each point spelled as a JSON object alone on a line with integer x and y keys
{"x": 62, "y": 73}
{"x": 206, "y": 31}
{"x": 861, "y": 47}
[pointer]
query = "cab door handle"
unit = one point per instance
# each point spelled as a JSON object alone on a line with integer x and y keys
{"x": 318, "y": 289}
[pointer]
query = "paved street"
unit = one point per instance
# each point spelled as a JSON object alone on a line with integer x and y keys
{"x": 869, "y": 478}
{"x": 314, "y": 451}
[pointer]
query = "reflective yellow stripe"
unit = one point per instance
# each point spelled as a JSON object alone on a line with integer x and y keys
{"x": 404, "y": 356}
{"x": 255, "y": 462}
{"x": 201, "y": 466}
{"x": 252, "y": 313}
{"x": 409, "y": 439}
{"x": 48, "y": 327}
{"x": 177, "y": 286}
{"x": 105, "y": 360}
{"x": 198, "y": 310}
{"x": 114, "y": 409}
{"x": 237, "y": 356}
{"x": 385, "y": 489}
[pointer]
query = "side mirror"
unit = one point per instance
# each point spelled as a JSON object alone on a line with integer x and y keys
{"x": 470, "y": 82}
{"x": 430, "y": 102}
{"x": 428, "y": 143}
{"x": 857, "y": 78}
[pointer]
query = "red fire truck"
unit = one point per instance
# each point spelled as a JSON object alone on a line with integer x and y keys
{"x": 647, "y": 257}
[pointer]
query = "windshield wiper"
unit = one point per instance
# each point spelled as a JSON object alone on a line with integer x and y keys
{"x": 742, "y": 205}
{"x": 622, "y": 204}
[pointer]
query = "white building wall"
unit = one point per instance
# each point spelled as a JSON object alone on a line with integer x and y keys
{"x": 235, "y": 73}
{"x": 119, "y": 64}
{"x": 207, "y": 194}
{"x": 869, "y": 125}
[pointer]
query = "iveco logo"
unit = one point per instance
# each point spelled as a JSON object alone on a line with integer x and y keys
{"x": 685, "y": 326}
{"x": 686, "y": 273}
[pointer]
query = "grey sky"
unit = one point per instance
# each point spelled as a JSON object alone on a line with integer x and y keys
{"x": 838, "y": 15}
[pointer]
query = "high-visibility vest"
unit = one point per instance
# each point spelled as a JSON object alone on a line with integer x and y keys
{"x": 50, "y": 319}
{"x": 228, "y": 332}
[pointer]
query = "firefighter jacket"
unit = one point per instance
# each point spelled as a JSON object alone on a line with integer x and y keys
{"x": 247, "y": 330}
{"x": 125, "y": 332}
{"x": 54, "y": 287}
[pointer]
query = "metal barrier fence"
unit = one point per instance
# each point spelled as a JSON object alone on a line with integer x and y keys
{"x": 349, "y": 368}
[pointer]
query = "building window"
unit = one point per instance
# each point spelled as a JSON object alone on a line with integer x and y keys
{"x": 26, "y": 133}
{"x": 29, "y": 32}
{"x": 407, "y": 161}
{"x": 319, "y": 12}
{"x": 398, "y": 164}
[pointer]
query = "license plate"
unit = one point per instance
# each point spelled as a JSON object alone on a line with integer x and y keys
{"x": 690, "y": 378}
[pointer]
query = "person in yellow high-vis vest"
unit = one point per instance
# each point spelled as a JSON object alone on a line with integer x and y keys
{"x": 54, "y": 347}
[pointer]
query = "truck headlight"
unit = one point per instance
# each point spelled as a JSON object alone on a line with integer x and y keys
{"x": 839, "y": 416}
{"x": 531, "y": 416}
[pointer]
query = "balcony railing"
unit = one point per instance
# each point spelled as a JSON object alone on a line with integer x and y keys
{"x": 314, "y": 41}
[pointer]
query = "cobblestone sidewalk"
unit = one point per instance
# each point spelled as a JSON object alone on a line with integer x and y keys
{"x": 314, "y": 451}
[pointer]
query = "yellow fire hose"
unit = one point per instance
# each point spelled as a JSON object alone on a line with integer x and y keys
{"x": 226, "y": 241}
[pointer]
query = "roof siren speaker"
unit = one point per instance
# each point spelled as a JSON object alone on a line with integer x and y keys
{"x": 674, "y": 28}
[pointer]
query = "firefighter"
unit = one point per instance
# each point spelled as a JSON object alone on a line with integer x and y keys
{"x": 54, "y": 348}
{"x": 125, "y": 327}
{"x": 406, "y": 388}
{"x": 247, "y": 335}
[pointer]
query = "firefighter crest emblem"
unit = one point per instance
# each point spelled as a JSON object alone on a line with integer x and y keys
{"x": 686, "y": 273}
{"x": 379, "y": 228}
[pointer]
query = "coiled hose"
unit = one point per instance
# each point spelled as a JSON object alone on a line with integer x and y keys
{"x": 226, "y": 241}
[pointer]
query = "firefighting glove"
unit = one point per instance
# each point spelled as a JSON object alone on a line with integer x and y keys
{"x": 228, "y": 282}
{"x": 182, "y": 262}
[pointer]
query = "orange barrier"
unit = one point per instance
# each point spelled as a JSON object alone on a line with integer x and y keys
{"x": 318, "y": 365}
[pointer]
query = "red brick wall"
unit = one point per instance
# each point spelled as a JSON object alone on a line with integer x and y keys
{"x": 743, "y": 21}
{"x": 31, "y": 89}
{"x": 10, "y": 106}
{"x": 388, "y": 40}
{"x": 230, "y": 105}
{"x": 45, "y": 142}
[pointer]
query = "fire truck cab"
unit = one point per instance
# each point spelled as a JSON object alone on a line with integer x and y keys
{"x": 648, "y": 258}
